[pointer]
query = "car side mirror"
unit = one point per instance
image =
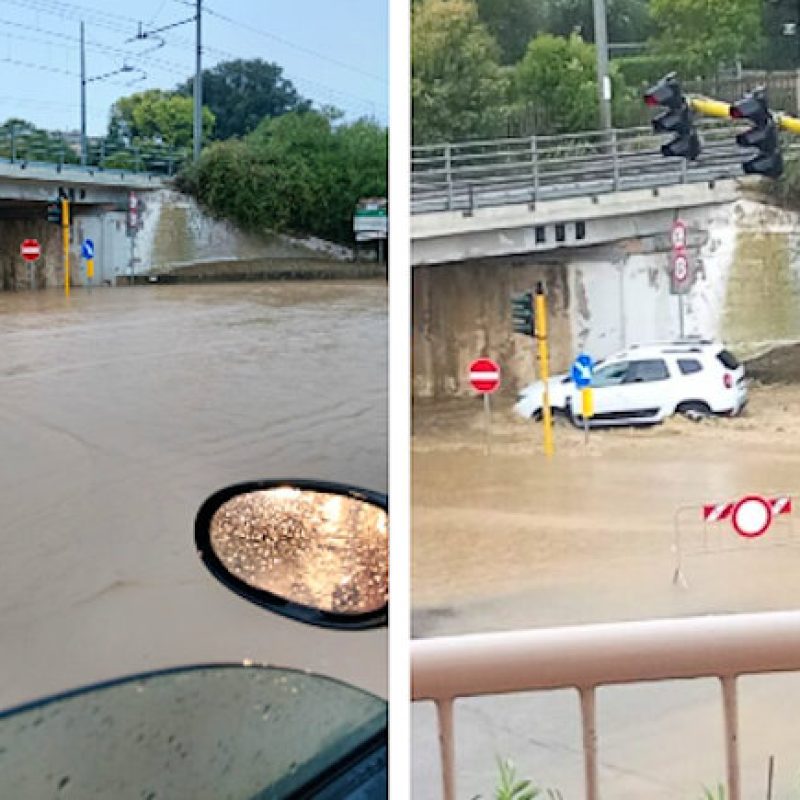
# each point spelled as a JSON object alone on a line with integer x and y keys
{"x": 314, "y": 551}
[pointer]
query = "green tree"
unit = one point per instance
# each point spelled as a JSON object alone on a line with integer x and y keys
{"x": 558, "y": 76}
{"x": 156, "y": 118}
{"x": 513, "y": 23}
{"x": 457, "y": 84}
{"x": 241, "y": 93}
{"x": 298, "y": 173}
{"x": 708, "y": 33}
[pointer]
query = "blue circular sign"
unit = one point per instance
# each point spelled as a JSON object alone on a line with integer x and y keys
{"x": 87, "y": 249}
{"x": 582, "y": 371}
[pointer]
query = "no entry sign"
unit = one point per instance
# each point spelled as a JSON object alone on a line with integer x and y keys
{"x": 484, "y": 375}
{"x": 30, "y": 249}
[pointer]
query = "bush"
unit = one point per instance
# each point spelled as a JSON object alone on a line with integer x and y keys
{"x": 296, "y": 173}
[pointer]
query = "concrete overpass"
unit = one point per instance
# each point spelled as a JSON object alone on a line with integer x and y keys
{"x": 538, "y": 194}
{"x": 99, "y": 201}
{"x": 592, "y": 222}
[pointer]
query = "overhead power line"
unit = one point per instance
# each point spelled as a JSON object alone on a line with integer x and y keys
{"x": 126, "y": 25}
{"x": 295, "y": 46}
{"x": 72, "y": 41}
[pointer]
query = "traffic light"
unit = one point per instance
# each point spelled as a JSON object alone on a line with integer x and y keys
{"x": 763, "y": 135}
{"x": 677, "y": 118}
{"x": 522, "y": 314}
{"x": 54, "y": 212}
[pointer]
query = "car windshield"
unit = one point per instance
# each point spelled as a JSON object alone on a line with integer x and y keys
{"x": 223, "y": 731}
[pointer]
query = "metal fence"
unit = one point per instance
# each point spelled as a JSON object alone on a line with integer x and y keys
{"x": 468, "y": 175}
{"x": 588, "y": 657}
{"x": 21, "y": 145}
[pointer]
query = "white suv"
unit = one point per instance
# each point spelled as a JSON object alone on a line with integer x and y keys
{"x": 645, "y": 384}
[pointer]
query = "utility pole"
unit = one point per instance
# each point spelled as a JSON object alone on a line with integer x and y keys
{"x": 83, "y": 99}
{"x": 603, "y": 79}
{"x": 198, "y": 86}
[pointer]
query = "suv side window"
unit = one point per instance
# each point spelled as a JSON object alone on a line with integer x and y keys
{"x": 651, "y": 369}
{"x": 610, "y": 375}
{"x": 688, "y": 366}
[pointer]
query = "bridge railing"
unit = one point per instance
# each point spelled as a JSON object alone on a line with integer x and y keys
{"x": 587, "y": 657}
{"x": 469, "y": 175}
{"x": 24, "y": 146}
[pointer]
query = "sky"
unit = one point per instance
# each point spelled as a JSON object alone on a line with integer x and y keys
{"x": 335, "y": 52}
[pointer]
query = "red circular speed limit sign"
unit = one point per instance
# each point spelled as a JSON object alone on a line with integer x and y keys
{"x": 678, "y": 234}
{"x": 680, "y": 267}
{"x": 30, "y": 249}
{"x": 484, "y": 375}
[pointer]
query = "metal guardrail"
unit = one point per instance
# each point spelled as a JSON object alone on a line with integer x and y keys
{"x": 23, "y": 146}
{"x": 587, "y": 657}
{"x": 470, "y": 175}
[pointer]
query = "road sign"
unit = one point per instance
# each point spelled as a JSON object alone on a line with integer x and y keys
{"x": 30, "y": 249}
{"x": 679, "y": 235}
{"x": 87, "y": 249}
{"x": 751, "y": 516}
{"x": 484, "y": 375}
{"x": 582, "y": 371}
{"x": 133, "y": 213}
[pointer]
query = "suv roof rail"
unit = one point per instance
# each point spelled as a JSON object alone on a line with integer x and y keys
{"x": 686, "y": 342}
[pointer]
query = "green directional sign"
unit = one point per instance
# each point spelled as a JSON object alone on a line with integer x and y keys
{"x": 371, "y": 219}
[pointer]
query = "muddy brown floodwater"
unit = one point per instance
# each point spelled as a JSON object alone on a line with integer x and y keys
{"x": 512, "y": 540}
{"x": 120, "y": 412}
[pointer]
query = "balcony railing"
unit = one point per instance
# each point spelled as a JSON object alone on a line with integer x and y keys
{"x": 585, "y": 658}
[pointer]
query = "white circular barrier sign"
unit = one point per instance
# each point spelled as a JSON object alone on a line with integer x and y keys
{"x": 752, "y": 516}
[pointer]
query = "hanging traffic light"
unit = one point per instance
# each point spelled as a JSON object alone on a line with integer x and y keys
{"x": 677, "y": 118}
{"x": 763, "y": 135}
{"x": 54, "y": 212}
{"x": 522, "y": 314}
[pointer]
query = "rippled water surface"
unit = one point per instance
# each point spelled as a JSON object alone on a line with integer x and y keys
{"x": 120, "y": 411}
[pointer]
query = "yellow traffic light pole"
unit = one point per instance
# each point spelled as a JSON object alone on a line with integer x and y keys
{"x": 716, "y": 108}
{"x": 544, "y": 368}
{"x": 65, "y": 241}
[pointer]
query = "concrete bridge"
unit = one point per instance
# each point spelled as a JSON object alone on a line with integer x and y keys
{"x": 98, "y": 207}
{"x": 591, "y": 219}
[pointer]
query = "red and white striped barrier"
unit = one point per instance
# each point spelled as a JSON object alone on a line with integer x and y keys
{"x": 750, "y": 516}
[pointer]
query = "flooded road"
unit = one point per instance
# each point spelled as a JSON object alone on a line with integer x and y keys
{"x": 511, "y": 541}
{"x": 120, "y": 412}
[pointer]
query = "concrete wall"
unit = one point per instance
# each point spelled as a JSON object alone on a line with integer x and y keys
{"x": 175, "y": 233}
{"x": 461, "y": 312}
{"x": 746, "y": 290}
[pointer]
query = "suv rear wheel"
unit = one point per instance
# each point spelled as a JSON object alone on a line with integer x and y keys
{"x": 694, "y": 410}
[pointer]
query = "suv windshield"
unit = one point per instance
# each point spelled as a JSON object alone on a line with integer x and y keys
{"x": 200, "y": 732}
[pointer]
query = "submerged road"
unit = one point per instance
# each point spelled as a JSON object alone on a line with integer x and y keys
{"x": 120, "y": 412}
{"x": 514, "y": 541}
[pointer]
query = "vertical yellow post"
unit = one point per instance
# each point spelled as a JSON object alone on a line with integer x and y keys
{"x": 65, "y": 241}
{"x": 544, "y": 368}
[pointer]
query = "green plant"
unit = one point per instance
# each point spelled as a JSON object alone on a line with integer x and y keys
{"x": 717, "y": 793}
{"x": 509, "y": 787}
